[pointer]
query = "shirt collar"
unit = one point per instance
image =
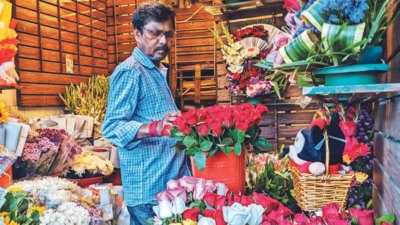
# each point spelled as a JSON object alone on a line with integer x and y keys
{"x": 142, "y": 58}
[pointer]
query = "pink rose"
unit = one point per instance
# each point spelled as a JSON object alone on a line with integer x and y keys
{"x": 365, "y": 217}
{"x": 210, "y": 186}
{"x": 246, "y": 201}
{"x": 236, "y": 198}
{"x": 330, "y": 212}
{"x": 178, "y": 192}
{"x": 300, "y": 218}
{"x": 210, "y": 198}
{"x": 199, "y": 191}
{"x": 165, "y": 195}
{"x": 220, "y": 202}
{"x": 173, "y": 184}
{"x": 338, "y": 222}
{"x": 188, "y": 183}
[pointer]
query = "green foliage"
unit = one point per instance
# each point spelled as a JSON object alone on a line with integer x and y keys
{"x": 17, "y": 204}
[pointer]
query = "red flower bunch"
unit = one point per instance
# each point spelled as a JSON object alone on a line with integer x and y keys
{"x": 354, "y": 149}
{"x": 226, "y": 128}
{"x": 255, "y": 31}
{"x": 243, "y": 80}
{"x": 263, "y": 54}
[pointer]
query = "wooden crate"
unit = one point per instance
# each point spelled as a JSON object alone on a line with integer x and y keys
{"x": 47, "y": 31}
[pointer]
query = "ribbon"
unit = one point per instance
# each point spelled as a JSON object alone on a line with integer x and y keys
{"x": 319, "y": 145}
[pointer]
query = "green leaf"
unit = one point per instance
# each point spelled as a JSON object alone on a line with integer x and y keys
{"x": 212, "y": 152}
{"x": 276, "y": 88}
{"x": 226, "y": 149}
{"x": 10, "y": 204}
{"x": 150, "y": 221}
{"x": 262, "y": 143}
{"x": 227, "y": 141}
{"x": 200, "y": 160}
{"x": 240, "y": 136}
{"x": 190, "y": 142}
{"x": 238, "y": 149}
{"x": 369, "y": 204}
{"x": 256, "y": 150}
{"x": 177, "y": 134}
{"x": 301, "y": 4}
{"x": 179, "y": 147}
{"x": 192, "y": 151}
{"x": 206, "y": 145}
{"x": 386, "y": 218}
{"x": 261, "y": 65}
{"x": 352, "y": 46}
{"x": 232, "y": 134}
{"x": 198, "y": 204}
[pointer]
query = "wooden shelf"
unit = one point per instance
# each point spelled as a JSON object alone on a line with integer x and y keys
{"x": 204, "y": 97}
{"x": 240, "y": 6}
{"x": 189, "y": 70}
{"x": 8, "y": 88}
{"x": 350, "y": 93}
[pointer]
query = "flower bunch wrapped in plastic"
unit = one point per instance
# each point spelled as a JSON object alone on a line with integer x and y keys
{"x": 95, "y": 213}
{"x": 94, "y": 165}
{"x": 258, "y": 87}
{"x": 68, "y": 150}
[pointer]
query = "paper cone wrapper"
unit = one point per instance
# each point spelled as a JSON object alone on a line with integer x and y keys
{"x": 299, "y": 49}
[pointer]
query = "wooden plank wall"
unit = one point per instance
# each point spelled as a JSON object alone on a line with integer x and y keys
{"x": 386, "y": 191}
{"x": 47, "y": 31}
{"x": 120, "y": 39}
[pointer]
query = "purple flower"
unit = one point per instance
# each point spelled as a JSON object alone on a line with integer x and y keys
{"x": 254, "y": 80}
{"x": 368, "y": 168}
{"x": 351, "y": 200}
{"x": 355, "y": 197}
{"x": 371, "y": 161}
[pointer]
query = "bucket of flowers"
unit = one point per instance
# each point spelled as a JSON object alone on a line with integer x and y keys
{"x": 335, "y": 42}
{"x": 218, "y": 137}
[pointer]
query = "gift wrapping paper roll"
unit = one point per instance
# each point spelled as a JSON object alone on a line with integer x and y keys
{"x": 2, "y": 135}
{"x": 299, "y": 49}
{"x": 22, "y": 139}
{"x": 61, "y": 120}
{"x": 313, "y": 15}
{"x": 114, "y": 158}
{"x": 88, "y": 129}
{"x": 71, "y": 121}
{"x": 12, "y": 135}
{"x": 350, "y": 35}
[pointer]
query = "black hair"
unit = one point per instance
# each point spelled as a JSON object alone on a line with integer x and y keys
{"x": 149, "y": 12}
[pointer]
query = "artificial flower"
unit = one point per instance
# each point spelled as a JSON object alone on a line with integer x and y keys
{"x": 361, "y": 177}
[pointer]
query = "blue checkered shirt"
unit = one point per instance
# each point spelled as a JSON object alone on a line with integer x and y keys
{"x": 138, "y": 94}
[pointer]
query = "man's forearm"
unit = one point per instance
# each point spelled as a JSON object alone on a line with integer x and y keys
{"x": 144, "y": 132}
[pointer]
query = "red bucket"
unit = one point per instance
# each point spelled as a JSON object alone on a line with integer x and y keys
{"x": 89, "y": 181}
{"x": 5, "y": 180}
{"x": 228, "y": 169}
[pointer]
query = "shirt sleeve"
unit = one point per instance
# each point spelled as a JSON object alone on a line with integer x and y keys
{"x": 118, "y": 128}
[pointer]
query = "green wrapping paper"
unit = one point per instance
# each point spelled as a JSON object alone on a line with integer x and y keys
{"x": 300, "y": 48}
{"x": 313, "y": 15}
{"x": 350, "y": 35}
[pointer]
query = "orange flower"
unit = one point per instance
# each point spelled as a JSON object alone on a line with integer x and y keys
{"x": 361, "y": 177}
{"x": 346, "y": 159}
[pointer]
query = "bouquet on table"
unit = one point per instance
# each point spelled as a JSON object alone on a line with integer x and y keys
{"x": 218, "y": 128}
{"x": 245, "y": 46}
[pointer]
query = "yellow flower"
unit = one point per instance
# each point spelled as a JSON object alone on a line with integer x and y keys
{"x": 2, "y": 214}
{"x": 13, "y": 189}
{"x": 361, "y": 177}
{"x": 175, "y": 224}
{"x": 87, "y": 200}
{"x": 189, "y": 222}
{"x": 3, "y": 113}
{"x": 346, "y": 159}
{"x": 8, "y": 221}
{"x": 37, "y": 208}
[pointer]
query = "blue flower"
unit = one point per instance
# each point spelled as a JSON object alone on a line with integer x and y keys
{"x": 309, "y": 3}
{"x": 300, "y": 30}
{"x": 332, "y": 18}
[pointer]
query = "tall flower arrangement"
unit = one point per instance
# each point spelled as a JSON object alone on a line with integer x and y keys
{"x": 227, "y": 129}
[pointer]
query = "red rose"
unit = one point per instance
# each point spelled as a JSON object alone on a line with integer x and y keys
{"x": 348, "y": 128}
{"x": 330, "y": 212}
{"x": 240, "y": 118}
{"x": 338, "y": 222}
{"x": 209, "y": 213}
{"x": 316, "y": 221}
{"x": 283, "y": 210}
{"x": 210, "y": 198}
{"x": 266, "y": 202}
{"x": 246, "y": 201}
{"x": 251, "y": 120}
{"x": 236, "y": 76}
{"x": 220, "y": 202}
{"x": 262, "y": 109}
{"x": 209, "y": 121}
{"x": 219, "y": 217}
{"x": 203, "y": 129}
{"x": 202, "y": 114}
{"x": 236, "y": 198}
{"x": 300, "y": 218}
{"x": 241, "y": 126}
{"x": 182, "y": 126}
{"x": 216, "y": 129}
{"x": 228, "y": 120}
{"x": 191, "y": 117}
{"x": 191, "y": 214}
{"x": 268, "y": 223}
{"x": 385, "y": 223}
{"x": 166, "y": 131}
{"x": 366, "y": 217}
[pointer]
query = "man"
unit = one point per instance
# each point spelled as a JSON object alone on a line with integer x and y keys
{"x": 139, "y": 94}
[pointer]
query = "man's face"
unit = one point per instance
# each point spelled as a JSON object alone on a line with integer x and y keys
{"x": 156, "y": 39}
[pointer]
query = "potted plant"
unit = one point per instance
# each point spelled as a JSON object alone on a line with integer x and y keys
{"x": 217, "y": 137}
{"x": 343, "y": 40}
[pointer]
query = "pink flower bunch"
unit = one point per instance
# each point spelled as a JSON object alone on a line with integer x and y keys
{"x": 185, "y": 185}
{"x": 32, "y": 152}
{"x": 46, "y": 145}
{"x": 55, "y": 136}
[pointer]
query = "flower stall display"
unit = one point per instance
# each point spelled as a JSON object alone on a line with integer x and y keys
{"x": 66, "y": 213}
{"x": 245, "y": 46}
{"x": 88, "y": 99}
{"x": 218, "y": 135}
{"x": 8, "y": 49}
{"x": 88, "y": 165}
{"x": 341, "y": 42}
{"x": 269, "y": 175}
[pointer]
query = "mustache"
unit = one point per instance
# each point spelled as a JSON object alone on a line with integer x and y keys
{"x": 162, "y": 47}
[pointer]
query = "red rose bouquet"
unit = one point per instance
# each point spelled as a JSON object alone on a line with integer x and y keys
{"x": 218, "y": 128}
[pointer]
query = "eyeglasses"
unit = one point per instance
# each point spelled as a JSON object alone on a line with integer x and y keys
{"x": 159, "y": 34}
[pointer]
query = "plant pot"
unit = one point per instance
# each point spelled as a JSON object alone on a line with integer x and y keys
{"x": 255, "y": 100}
{"x": 361, "y": 74}
{"x": 89, "y": 181}
{"x": 114, "y": 178}
{"x": 228, "y": 169}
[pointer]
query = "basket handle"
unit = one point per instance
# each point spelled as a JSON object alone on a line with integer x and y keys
{"x": 327, "y": 153}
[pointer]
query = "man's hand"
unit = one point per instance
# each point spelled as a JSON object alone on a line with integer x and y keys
{"x": 167, "y": 120}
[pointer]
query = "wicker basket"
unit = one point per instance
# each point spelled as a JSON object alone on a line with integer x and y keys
{"x": 312, "y": 191}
